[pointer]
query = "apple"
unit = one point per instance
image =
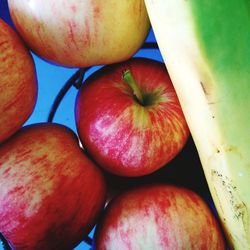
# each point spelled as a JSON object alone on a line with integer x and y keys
{"x": 129, "y": 118}
{"x": 81, "y": 33}
{"x": 192, "y": 175}
{"x": 51, "y": 194}
{"x": 18, "y": 82}
{"x": 158, "y": 216}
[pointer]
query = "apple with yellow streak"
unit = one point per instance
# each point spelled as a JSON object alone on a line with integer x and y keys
{"x": 158, "y": 217}
{"x": 51, "y": 193}
{"x": 129, "y": 118}
{"x": 81, "y": 33}
{"x": 18, "y": 82}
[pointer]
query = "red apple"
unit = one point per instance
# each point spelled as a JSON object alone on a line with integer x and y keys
{"x": 129, "y": 118}
{"x": 51, "y": 193}
{"x": 81, "y": 33}
{"x": 18, "y": 83}
{"x": 158, "y": 217}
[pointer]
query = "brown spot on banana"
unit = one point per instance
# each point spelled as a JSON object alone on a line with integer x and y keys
{"x": 226, "y": 191}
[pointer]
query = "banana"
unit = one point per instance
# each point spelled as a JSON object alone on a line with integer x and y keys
{"x": 205, "y": 45}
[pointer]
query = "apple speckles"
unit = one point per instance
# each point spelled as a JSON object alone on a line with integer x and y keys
{"x": 4, "y": 44}
{"x": 102, "y": 29}
{"x": 160, "y": 217}
{"x": 73, "y": 8}
{"x": 127, "y": 137}
{"x": 96, "y": 11}
{"x": 49, "y": 188}
{"x": 33, "y": 205}
{"x": 86, "y": 35}
{"x": 134, "y": 150}
{"x": 72, "y": 25}
{"x": 18, "y": 85}
{"x": 129, "y": 237}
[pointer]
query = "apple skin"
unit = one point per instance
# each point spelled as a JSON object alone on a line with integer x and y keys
{"x": 18, "y": 82}
{"x": 81, "y": 33}
{"x": 161, "y": 217}
{"x": 123, "y": 136}
{"x": 51, "y": 193}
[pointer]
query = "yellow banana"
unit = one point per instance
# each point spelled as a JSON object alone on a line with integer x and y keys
{"x": 206, "y": 48}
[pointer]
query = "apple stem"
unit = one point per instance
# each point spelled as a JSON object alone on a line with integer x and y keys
{"x": 129, "y": 79}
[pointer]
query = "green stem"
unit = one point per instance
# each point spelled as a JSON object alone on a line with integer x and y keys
{"x": 129, "y": 79}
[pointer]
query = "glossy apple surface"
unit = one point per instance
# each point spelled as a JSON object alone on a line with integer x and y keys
{"x": 51, "y": 193}
{"x": 124, "y": 136}
{"x": 81, "y": 33}
{"x": 158, "y": 217}
{"x": 18, "y": 83}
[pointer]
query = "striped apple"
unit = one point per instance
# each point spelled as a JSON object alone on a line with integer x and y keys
{"x": 159, "y": 217}
{"x": 51, "y": 194}
{"x": 129, "y": 118}
{"x": 18, "y": 82}
{"x": 81, "y": 33}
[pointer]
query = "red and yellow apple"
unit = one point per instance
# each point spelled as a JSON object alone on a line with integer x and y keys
{"x": 51, "y": 194}
{"x": 129, "y": 118}
{"x": 18, "y": 83}
{"x": 81, "y": 33}
{"x": 158, "y": 217}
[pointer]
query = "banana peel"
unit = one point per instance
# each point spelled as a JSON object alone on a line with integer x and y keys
{"x": 205, "y": 45}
